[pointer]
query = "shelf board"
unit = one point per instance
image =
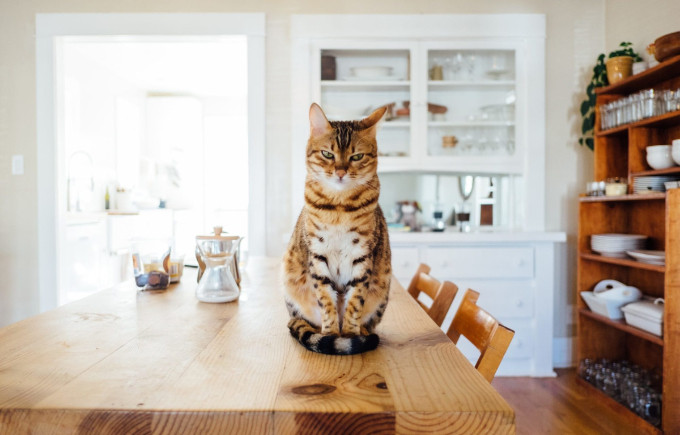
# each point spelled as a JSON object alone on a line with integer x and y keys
{"x": 623, "y": 326}
{"x": 471, "y": 124}
{"x": 646, "y": 79}
{"x": 668, "y": 171}
{"x": 637, "y": 423}
{"x": 466, "y": 84}
{"x": 631, "y": 197}
{"x": 666, "y": 120}
{"x": 396, "y": 124}
{"x": 620, "y": 130}
{"x": 623, "y": 262}
{"x": 366, "y": 85}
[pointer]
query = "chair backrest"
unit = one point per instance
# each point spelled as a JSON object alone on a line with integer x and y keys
{"x": 442, "y": 294}
{"x": 484, "y": 331}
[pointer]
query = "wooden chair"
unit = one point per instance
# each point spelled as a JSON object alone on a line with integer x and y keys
{"x": 442, "y": 295}
{"x": 483, "y": 330}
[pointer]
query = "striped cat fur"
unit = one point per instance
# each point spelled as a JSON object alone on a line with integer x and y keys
{"x": 337, "y": 266}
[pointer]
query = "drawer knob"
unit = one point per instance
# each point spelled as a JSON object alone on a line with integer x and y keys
{"x": 520, "y": 262}
{"x": 519, "y": 303}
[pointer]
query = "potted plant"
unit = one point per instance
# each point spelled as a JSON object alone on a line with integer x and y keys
{"x": 601, "y": 71}
{"x": 620, "y": 62}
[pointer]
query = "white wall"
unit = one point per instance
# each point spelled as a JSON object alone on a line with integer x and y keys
{"x": 575, "y": 35}
{"x": 639, "y": 22}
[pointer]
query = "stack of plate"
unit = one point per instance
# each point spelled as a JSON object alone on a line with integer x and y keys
{"x": 649, "y": 257}
{"x": 616, "y": 245}
{"x": 652, "y": 183}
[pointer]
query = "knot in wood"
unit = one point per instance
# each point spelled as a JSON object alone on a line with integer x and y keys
{"x": 314, "y": 389}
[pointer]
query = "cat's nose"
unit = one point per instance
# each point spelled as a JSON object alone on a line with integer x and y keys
{"x": 341, "y": 173}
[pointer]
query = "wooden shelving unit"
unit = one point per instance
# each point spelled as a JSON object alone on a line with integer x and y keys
{"x": 620, "y": 152}
{"x": 622, "y": 262}
{"x": 623, "y": 326}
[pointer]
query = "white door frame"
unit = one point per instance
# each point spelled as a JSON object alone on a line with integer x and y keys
{"x": 49, "y": 27}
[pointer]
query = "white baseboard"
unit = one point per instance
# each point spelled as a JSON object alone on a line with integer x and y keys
{"x": 564, "y": 352}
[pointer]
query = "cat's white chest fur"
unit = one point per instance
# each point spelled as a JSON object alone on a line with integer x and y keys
{"x": 337, "y": 244}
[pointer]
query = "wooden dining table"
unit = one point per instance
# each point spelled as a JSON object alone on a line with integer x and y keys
{"x": 128, "y": 361}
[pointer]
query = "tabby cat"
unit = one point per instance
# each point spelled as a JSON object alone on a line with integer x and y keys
{"x": 337, "y": 265}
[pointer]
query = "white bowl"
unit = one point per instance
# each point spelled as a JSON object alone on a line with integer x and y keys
{"x": 675, "y": 151}
{"x": 657, "y": 148}
{"x": 337, "y": 113}
{"x": 623, "y": 294}
{"x": 659, "y": 157}
{"x": 671, "y": 185}
{"x": 605, "y": 307}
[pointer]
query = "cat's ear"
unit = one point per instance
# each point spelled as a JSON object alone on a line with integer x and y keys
{"x": 373, "y": 120}
{"x": 318, "y": 123}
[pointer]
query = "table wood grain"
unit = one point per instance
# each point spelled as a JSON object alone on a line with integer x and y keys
{"x": 126, "y": 361}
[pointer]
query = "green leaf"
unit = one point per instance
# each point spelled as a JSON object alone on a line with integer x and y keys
{"x": 590, "y": 88}
{"x": 588, "y": 123}
{"x": 585, "y": 107}
{"x": 590, "y": 143}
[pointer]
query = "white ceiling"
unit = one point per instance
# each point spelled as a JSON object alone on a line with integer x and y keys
{"x": 201, "y": 66}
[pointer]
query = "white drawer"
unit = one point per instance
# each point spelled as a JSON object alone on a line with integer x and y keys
{"x": 522, "y": 344}
{"x": 405, "y": 261}
{"x": 502, "y": 299}
{"x": 487, "y": 262}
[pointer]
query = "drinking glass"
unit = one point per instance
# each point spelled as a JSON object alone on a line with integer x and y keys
{"x": 470, "y": 66}
{"x": 668, "y": 101}
{"x": 452, "y": 66}
{"x": 648, "y": 103}
{"x": 585, "y": 369}
{"x": 652, "y": 408}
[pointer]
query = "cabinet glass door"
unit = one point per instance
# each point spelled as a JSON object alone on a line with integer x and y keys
{"x": 354, "y": 82}
{"x": 470, "y": 102}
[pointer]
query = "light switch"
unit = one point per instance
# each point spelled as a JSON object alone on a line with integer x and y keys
{"x": 18, "y": 164}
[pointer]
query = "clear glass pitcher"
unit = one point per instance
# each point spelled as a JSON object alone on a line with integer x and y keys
{"x": 218, "y": 253}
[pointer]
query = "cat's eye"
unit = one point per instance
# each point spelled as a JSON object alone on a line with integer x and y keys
{"x": 356, "y": 157}
{"x": 327, "y": 154}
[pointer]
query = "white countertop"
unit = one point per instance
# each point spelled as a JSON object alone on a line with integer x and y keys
{"x": 501, "y": 236}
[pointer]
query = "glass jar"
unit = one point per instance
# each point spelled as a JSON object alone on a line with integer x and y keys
{"x": 615, "y": 186}
{"x": 648, "y": 103}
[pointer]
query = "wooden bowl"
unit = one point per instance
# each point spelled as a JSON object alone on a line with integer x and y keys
{"x": 667, "y": 46}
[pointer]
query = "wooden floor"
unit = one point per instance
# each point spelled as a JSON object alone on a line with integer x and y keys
{"x": 557, "y": 406}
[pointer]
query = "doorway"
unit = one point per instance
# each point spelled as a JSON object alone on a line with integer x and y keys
{"x": 160, "y": 121}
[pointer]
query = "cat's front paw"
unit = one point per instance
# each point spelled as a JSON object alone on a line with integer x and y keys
{"x": 350, "y": 330}
{"x": 332, "y": 329}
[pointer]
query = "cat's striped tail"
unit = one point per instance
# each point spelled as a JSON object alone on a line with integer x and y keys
{"x": 312, "y": 339}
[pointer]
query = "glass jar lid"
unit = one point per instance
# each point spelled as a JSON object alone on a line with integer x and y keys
{"x": 218, "y": 236}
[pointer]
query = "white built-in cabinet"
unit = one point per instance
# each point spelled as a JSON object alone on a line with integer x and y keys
{"x": 515, "y": 276}
{"x": 475, "y": 84}
{"x": 491, "y": 80}
{"x": 488, "y": 71}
